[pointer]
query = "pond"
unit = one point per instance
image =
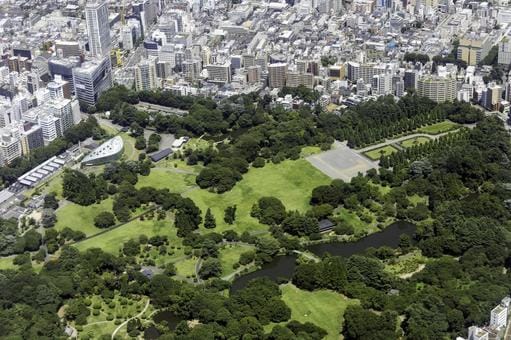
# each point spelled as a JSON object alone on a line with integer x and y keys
{"x": 284, "y": 266}
{"x": 164, "y": 317}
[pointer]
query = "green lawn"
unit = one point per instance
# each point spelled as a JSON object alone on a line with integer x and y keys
{"x": 414, "y": 141}
{"x": 290, "y": 181}
{"x": 324, "y": 308}
{"x": 375, "y": 154}
{"x": 230, "y": 254}
{"x": 162, "y": 178}
{"x": 197, "y": 144}
{"x": 6, "y": 263}
{"x": 112, "y": 240}
{"x": 130, "y": 153}
{"x": 186, "y": 268}
{"x": 78, "y": 217}
{"x": 310, "y": 150}
{"x": 437, "y": 128}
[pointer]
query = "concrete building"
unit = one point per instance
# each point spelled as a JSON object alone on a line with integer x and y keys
{"x": 473, "y": 48}
{"x": 476, "y": 333}
{"x": 145, "y": 75}
{"x": 98, "y": 28}
{"x": 498, "y": 316}
{"x": 220, "y": 74}
{"x": 491, "y": 97}
{"x": 67, "y": 49}
{"x": 295, "y": 79}
{"x": 10, "y": 146}
{"x": 31, "y": 137}
{"x": 437, "y": 88}
{"x": 92, "y": 79}
{"x": 381, "y": 84}
{"x": 277, "y": 74}
{"x": 504, "y": 56}
{"x": 61, "y": 108}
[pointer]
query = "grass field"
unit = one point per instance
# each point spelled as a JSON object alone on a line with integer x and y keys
{"x": 290, "y": 181}
{"x": 437, "y": 128}
{"x": 130, "y": 153}
{"x": 324, "y": 308}
{"x": 375, "y": 154}
{"x": 230, "y": 254}
{"x": 310, "y": 150}
{"x": 78, "y": 217}
{"x": 161, "y": 179}
{"x": 414, "y": 141}
{"x": 186, "y": 268}
{"x": 6, "y": 263}
{"x": 112, "y": 240}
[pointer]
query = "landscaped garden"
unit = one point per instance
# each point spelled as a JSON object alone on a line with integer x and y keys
{"x": 375, "y": 154}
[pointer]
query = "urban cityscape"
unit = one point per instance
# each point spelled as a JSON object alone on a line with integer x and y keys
{"x": 241, "y": 169}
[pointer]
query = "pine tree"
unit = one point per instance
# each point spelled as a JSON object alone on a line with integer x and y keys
{"x": 209, "y": 220}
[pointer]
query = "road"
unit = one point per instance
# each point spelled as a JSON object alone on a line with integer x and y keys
{"x": 134, "y": 317}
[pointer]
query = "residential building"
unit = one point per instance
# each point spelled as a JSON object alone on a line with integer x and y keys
{"x": 437, "y": 88}
{"x": 498, "y": 316}
{"x": 145, "y": 75}
{"x": 220, "y": 74}
{"x": 277, "y": 74}
{"x": 473, "y": 48}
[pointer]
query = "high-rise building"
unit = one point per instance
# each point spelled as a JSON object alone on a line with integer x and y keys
{"x": 491, "y": 97}
{"x": 91, "y": 79}
{"x": 253, "y": 74}
{"x": 219, "y": 73}
{"x": 145, "y": 75}
{"x": 277, "y": 75}
{"x": 31, "y": 137}
{"x": 474, "y": 47}
{"x": 50, "y": 127}
{"x": 98, "y": 27}
{"x": 436, "y": 88}
{"x": 504, "y": 55}
{"x": 295, "y": 79}
{"x": 381, "y": 84}
{"x": 192, "y": 69}
{"x": 127, "y": 38}
{"x": 61, "y": 108}
{"x": 411, "y": 78}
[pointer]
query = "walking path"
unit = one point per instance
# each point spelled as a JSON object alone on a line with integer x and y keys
{"x": 134, "y": 317}
{"x": 400, "y": 139}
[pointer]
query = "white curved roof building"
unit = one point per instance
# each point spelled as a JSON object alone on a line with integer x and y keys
{"x": 108, "y": 151}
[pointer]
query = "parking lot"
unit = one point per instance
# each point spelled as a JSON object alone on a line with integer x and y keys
{"x": 341, "y": 162}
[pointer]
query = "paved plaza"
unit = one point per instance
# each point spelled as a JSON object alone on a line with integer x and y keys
{"x": 341, "y": 162}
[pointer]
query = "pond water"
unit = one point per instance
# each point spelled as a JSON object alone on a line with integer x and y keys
{"x": 284, "y": 266}
{"x": 163, "y": 317}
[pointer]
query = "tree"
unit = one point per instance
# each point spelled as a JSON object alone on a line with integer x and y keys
{"x": 363, "y": 324}
{"x": 50, "y": 201}
{"x": 211, "y": 267}
{"x": 230, "y": 214}
{"x": 32, "y": 240}
{"x": 271, "y": 210}
{"x": 78, "y": 188}
{"x": 209, "y": 220}
{"x": 48, "y": 218}
{"x": 140, "y": 143}
{"x": 104, "y": 219}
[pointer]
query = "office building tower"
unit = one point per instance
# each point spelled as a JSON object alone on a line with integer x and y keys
{"x": 277, "y": 75}
{"x": 411, "y": 78}
{"x": 491, "y": 97}
{"x": 437, "y": 88}
{"x": 66, "y": 49}
{"x": 145, "y": 75}
{"x": 220, "y": 74}
{"x": 63, "y": 68}
{"x": 192, "y": 70}
{"x": 127, "y": 38}
{"x": 98, "y": 28}
{"x": 474, "y": 47}
{"x": 91, "y": 79}
{"x": 504, "y": 54}
{"x": 248, "y": 60}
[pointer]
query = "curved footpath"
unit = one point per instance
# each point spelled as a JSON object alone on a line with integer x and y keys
{"x": 133, "y": 317}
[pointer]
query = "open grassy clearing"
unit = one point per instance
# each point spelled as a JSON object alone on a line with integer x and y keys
{"x": 359, "y": 226}
{"x": 130, "y": 153}
{"x": 186, "y": 267}
{"x": 435, "y": 129}
{"x": 375, "y": 154}
{"x": 406, "y": 264}
{"x": 112, "y": 240}
{"x": 415, "y": 199}
{"x": 78, "y": 217}
{"x": 407, "y": 143}
{"x": 310, "y": 150}
{"x": 290, "y": 181}
{"x": 167, "y": 179}
{"x": 324, "y": 308}
{"x": 177, "y": 164}
{"x": 197, "y": 144}
{"x": 230, "y": 254}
